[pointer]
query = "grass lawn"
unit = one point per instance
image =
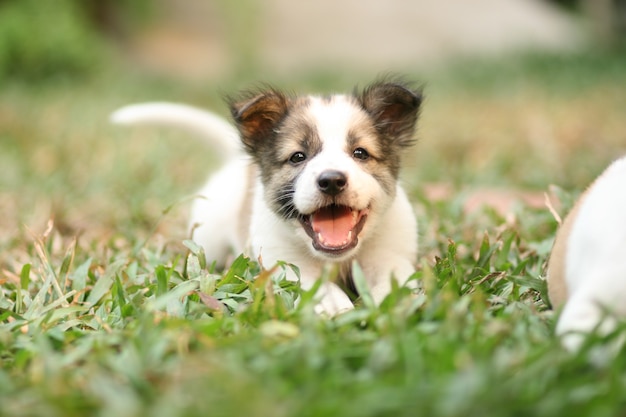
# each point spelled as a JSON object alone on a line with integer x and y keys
{"x": 106, "y": 309}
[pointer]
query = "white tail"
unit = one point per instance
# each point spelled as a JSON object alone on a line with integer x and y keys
{"x": 209, "y": 126}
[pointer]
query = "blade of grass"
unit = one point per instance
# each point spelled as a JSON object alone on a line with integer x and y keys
{"x": 362, "y": 287}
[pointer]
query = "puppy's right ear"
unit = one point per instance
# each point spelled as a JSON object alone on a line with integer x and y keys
{"x": 257, "y": 115}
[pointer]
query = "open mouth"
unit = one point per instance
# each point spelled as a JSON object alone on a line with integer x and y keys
{"x": 334, "y": 229}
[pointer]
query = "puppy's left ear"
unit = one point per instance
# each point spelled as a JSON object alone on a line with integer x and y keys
{"x": 394, "y": 108}
{"x": 257, "y": 115}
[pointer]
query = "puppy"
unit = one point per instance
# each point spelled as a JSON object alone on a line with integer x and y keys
{"x": 587, "y": 266}
{"x": 316, "y": 186}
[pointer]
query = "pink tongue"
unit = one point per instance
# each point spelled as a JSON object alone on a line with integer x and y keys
{"x": 333, "y": 224}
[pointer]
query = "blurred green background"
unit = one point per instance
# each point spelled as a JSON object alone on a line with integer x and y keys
{"x": 520, "y": 95}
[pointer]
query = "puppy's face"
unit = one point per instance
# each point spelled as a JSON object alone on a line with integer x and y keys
{"x": 329, "y": 165}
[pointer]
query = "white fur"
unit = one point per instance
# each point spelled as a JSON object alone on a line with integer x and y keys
{"x": 595, "y": 267}
{"x": 221, "y": 134}
{"x": 216, "y": 214}
{"x": 333, "y": 122}
{"x": 388, "y": 242}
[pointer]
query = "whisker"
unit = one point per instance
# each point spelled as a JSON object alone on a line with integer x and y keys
{"x": 283, "y": 202}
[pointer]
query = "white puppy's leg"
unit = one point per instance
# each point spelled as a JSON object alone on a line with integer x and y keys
{"x": 379, "y": 276}
{"x": 580, "y": 316}
{"x": 594, "y": 302}
{"x": 330, "y": 299}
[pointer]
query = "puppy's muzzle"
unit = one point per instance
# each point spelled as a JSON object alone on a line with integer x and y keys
{"x": 334, "y": 228}
{"x": 332, "y": 182}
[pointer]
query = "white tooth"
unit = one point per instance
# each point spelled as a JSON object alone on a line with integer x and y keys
{"x": 349, "y": 236}
{"x": 320, "y": 238}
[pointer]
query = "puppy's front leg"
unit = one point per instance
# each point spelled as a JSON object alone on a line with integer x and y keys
{"x": 379, "y": 276}
{"x": 331, "y": 300}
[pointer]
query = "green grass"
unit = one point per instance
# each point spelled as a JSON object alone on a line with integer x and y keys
{"x": 111, "y": 311}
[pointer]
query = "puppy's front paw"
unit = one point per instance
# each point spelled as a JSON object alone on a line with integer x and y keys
{"x": 332, "y": 301}
{"x": 379, "y": 278}
{"x": 582, "y": 316}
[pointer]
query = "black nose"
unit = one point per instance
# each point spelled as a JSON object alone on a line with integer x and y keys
{"x": 332, "y": 182}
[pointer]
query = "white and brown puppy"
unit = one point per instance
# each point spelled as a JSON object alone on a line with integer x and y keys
{"x": 317, "y": 184}
{"x": 587, "y": 266}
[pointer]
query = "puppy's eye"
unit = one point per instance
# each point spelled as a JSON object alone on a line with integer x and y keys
{"x": 361, "y": 154}
{"x": 297, "y": 157}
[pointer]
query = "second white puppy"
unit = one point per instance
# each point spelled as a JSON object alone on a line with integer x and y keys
{"x": 587, "y": 266}
{"x": 319, "y": 184}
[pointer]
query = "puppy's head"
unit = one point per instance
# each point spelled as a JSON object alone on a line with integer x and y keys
{"x": 329, "y": 165}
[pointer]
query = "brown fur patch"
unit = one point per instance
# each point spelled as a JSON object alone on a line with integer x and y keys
{"x": 394, "y": 106}
{"x": 257, "y": 114}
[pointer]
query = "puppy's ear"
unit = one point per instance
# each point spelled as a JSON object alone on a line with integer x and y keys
{"x": 257, "y": 115}
{"x": 394, "y": 108}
